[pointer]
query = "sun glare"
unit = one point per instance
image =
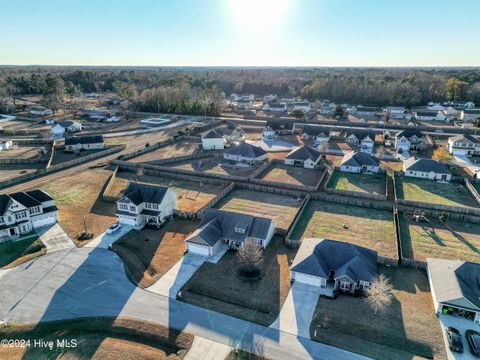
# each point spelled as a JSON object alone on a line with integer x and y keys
{"x": 258, "y": 15}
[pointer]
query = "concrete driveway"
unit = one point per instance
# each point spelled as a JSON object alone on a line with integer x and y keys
{"x": 55, "y": 238}
{"x": 171, "y": 283}
{"x": 104, "y": 240}
{"x": 461, "y": 325}
{"x": 204, "y": 349}
{"x": 297, "y": 311}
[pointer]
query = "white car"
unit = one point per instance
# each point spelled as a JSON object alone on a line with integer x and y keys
{"x": 113, "y": 228}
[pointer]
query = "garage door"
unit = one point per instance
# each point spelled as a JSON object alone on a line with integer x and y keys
{"x": 126, "y": 220}
{"x": 48, "y": 220}
{"x": 198, "y": 249}
{"x": 308, "y": 279}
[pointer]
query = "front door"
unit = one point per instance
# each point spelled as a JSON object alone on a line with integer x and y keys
{"x": 12, "y": 231}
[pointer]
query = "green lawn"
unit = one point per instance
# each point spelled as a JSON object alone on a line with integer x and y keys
{"x": 429, "y": 191}
{"x": 12, "y": 250}
{"x": 453, "y": 240}
{"x": 366, "y": 227}
{"x": 408, "y": 327}
{"x": 365, "y": 183}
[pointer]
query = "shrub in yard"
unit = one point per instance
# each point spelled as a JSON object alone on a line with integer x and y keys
{"x": 147, "y": 145}
{"x": 250, "y": 256}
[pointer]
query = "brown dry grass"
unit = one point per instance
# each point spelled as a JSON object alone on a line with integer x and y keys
{"x": 182, "y": 148}
{"x": 146, "y": 261}
{"x": 219, "y": 287}
{"x": 292, "y": 175}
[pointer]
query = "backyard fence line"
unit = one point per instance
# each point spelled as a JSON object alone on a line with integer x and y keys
{"x": 472, "y": 190}
{"x": 288, "y": 237}
{"x": 111, "y": 180}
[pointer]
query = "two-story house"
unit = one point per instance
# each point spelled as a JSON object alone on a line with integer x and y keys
{"x": 395, "y": 112}
{"x": 410, "y": 139}
{"x": 218, "y": 227}
{"x": 319, "y": 134}
{"x": 360, "y": 110}
{"x": 22, "y": 212}
{"x": 144, "y": 204}
{"x": 464, "y": 145}
{"x": 363, "y": 140}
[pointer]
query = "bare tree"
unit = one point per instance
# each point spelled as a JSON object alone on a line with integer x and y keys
{"x": 250, "y": 256}
{"x": 139, "y": 173}
{"x": 380, "y": 295}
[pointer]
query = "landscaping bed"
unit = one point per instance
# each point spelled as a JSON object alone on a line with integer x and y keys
{"x": 429, "y": 191}
{"x": 367, "y": 227}
{"x": 279, "y": 208}
{"x": 407, "y": 329}
{"x": 452, "y": 240}
{"x": 98, "y": 338}
{"x": 150, "y": 253}
{"x": 363, "y": 183}
{"x": 219, "y": 287}
{"x": 292, "y": 175}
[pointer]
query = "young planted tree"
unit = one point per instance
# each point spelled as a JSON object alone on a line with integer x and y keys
{"x": 441, "y": 154}
{"x": 380, "y": 295}
{"x": 250, "y": 257}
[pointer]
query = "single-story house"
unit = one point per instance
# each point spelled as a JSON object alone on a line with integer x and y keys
{"x": 61, "y": 127}
{"x": 364, "y": 140}
{"x": 243, "y": 104}
{"x": 5, "y": 144}
{"x": 455, "y": 287}
{"x": 268, "y": 98}
{"x": 426, "y": 169}
{"x": 340, "y": 265}
{"x": 274, "y": 128}
{"x": 358, "y": 162}
{"x": 218, "y": 227}
{"x": 395, "y": 112}
{"x": 430, "y": 115}
{"x": 409, "y": 139}
{"x": 303, "y": 106}
{"x": 303, "y": 156}
{"x": 435, "y": 106}
{"x": 327, "y": 109}
{"x": 360, "y": 110}
{"x": 41, "y": 112}
{"x": 275, "y": 107}
{"x": 88, "y": 142}
{"x": 213, "y": 140}
{"x": 245, "y": 153}
{"x": 144, "y": 204}
{"x": 464, "y": 145}
{"x": 470, "y": 115}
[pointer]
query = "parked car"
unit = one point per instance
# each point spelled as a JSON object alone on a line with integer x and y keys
{"x": 454, "y": 338}
{"x": 113, "y": 228}
{"x": 473, "y": 340}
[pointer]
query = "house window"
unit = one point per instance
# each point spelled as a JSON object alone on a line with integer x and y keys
{"x": 148, "y": 205}
{"x": 155, "y": 206}
{"x": 132, "y": 208}
{"x": 123, "y": 207}
{"x": 345, "y": 285}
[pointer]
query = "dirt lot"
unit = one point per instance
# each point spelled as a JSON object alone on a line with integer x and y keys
{"x": 391, "y": 165}
{"x": 12, "y": 171}
{"x": 22, "y": 152}
{"x": 407, "y": 329}
{"x": 365, "y": 183}
{"x": 191, "y": 196}
{"x": 428, "y": 191}
{"x": 292, "y": 175}
{"x": 150, "y": 253}
{"x": 453, "y": 240}
{"x": 181, "y": 148}
{"x": 99, "y": 338}
{"x": 219, "y": 287}
{"x": 136, "y": 142}
{"x": 361, "y": 226}
{"x": 214, "y": 165}
{"x": 60, "y": 157}
{"x": 280, "y": 208}
{"x": 77, "y": 197}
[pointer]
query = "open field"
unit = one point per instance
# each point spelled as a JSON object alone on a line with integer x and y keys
{"x": 149, "y": 253}
{"x": 77, "y": 197}
{"x": 137, "y": 142}
{"x": 191, "y": 196}
{"x": 181, "y": 148}
{"x": 279, "y": 208}
{"x": 60, "y": 157}
{"x": 428, "y": 191}
{"x": 292, "y": 175}
{"x": 22, "y": 152}
{"x": 361, "y": 226}
{"x": 12, "y": 252}
{"x": 214, "y": 165}
{"x": 407, "y": 329}
{"x": 12, "y": 171}
{"x": 364, "y": 183}
{"x": 452, "y": 240}
{"x": 219, "y": 287}
{"x": 98, "y": 338}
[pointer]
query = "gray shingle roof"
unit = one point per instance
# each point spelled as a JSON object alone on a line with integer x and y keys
{"x": 212, "y": 134}
{"x": 139, "y": 193}
{"x": 409, "y": 133}
{"x": 27, "y": 199}
{"x": 314, "y": 130}
{"x": 218, "y": 224}
{"x": 360, "y": 133}
{"x": 92, "y": 139}
{"x": 358, "y": 159}
{"x": 303, "y": 153}
{"x": 425, "y": 165}
{"x": 246, "y": 150}
{"x": 319, "y": 257}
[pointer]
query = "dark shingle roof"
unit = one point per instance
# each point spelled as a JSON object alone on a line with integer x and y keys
{"x": 356, "y": 262}
{"x": 246, "y": 150}
{"x": 409, "y": 133}
{"x": 39, "y": 195}
{"x": 358, "y": 159}
{"x": 218, "y": 224}
{"x": 425, "y": 165}
{"x": 360, "y": 133}
{"x": 24, "y": 199}
{"x": 88, "y": 139}
{"x": 27, "y": 199}
{"x": 465, "y": 136}
{"x": 366, "y": 108}
{"x": 139, "y": 193}
{"x": 303, "y": 153}
{"x": 314, "y": 130}
{"x": 472, "y": 111}
{"x": 426, "y": 113}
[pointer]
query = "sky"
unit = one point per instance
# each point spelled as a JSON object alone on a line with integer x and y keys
{"x": 240, "y": 32}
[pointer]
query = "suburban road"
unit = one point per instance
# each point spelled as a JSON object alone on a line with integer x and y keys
{"x": 86, "y": 282}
